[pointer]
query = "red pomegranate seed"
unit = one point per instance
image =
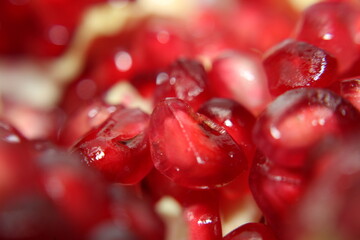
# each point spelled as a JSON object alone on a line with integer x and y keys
{"x": 241, "y": 77}
{"x": 201, "y": 207}
{"x": 259, "y": 24}
{"x": 18, "y": 174}
{"x": 30, "y": 215}
{"x": 9, "y": 134}
{"x": 136, "y": 214}
{"x": 236, "y": 120}
{"x": 330, "y": 206}
{"x": 251, "y": 231}
{"x": 73, "y": 189}
{"x": 55, "y": 29}
{"x": 18, "y": 22}
{"x": 33, "y": 122}
{"x": 118, "y": 148}
{"x": 203, "y": 218}
{"x": 184, "y": 79}
{"x": 209, "y": 39}
{"x": 294, "y": 64}
{"x": 118, "y": 66}
{"x": 155, "y": 179}
{"x": 276, "y": 190}
{"x": 298, "y": 120}
{"x": 325, "y": 25}
{"x": 350, "y": 90}
{"x": 156, "y": 36}
{"x": 191, "y": 149}
{"x": 84, "y": 119}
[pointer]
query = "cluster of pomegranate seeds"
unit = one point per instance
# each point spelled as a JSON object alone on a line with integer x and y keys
{"x": 183, "y": 122}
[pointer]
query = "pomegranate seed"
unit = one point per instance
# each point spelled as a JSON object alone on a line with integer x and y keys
{"x": 184, "y": 79}
{"x": 136, "y": 214}
{"x": 298, "y": 120}
{"x": 240, "y": 76}
{"x": 55, "y": 28}
{"x": 15, "y": 17}
{"x": 239, "y": 123}
{"x": 325, "y": 25}
{"x": 32, "y": 122}
{"x": 156, "y": 36}
{"x": 116, "y": 67}
{"x": 205, "y": 154}
{"x": 329, "y": 206}
{"x": 209, "y": 39}
{"x": 201, "y": 207}
{"x": 83, "y": 120}
{"x": 350, "y": 90}
{"x": 293, "y": 64}
{"x": 78, "y": 93}
{"x": 73, "y": 189}
{"x": 251, "y": 231}
{"x": 9, "y": 134}
{"x": 276, "y": 190}
{"x": 236, "y": 120}
{"x": 258, "y": 26}
{"x": 118, "y": 148}
{"x": 203, "y": 218}
{"x": 32, "y": 216}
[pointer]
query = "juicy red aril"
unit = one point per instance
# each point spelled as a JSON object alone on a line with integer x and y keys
{"x": 294, "y": 64}
{"x": 184, "y": 79}
{"x": 201, "y": 207}
{"x": 55, "y": 29}
{"x": 119, "y": 147}
{"x": 32, "y": 122}
{"x": 156, "y": 36}
{"x": 251, "y": 231}
{"x": 32, "y": 216}
{"x": 350, "y": 90}
{"x": 330, "y": 205}
{"x": 325, "y": 25}
{"x": 116, "y": 67}
{"x": 203, "y": 217}
{"x": 295, "y": 122}
{"x": 259, "y": 24}
{"x": 209, "y": 40}
{"x": 84, "y": 119}
{"x": 135, "y": 214}
{"x": 241, "y": 77}
{"x": 275, "y": 189}
{"x": 14, "y": 17}
{"x": 73, "y": 189}
{"x": 191, "y": 149}
{"x": 9, "y": 134}
{"x": 237, "y": 121}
